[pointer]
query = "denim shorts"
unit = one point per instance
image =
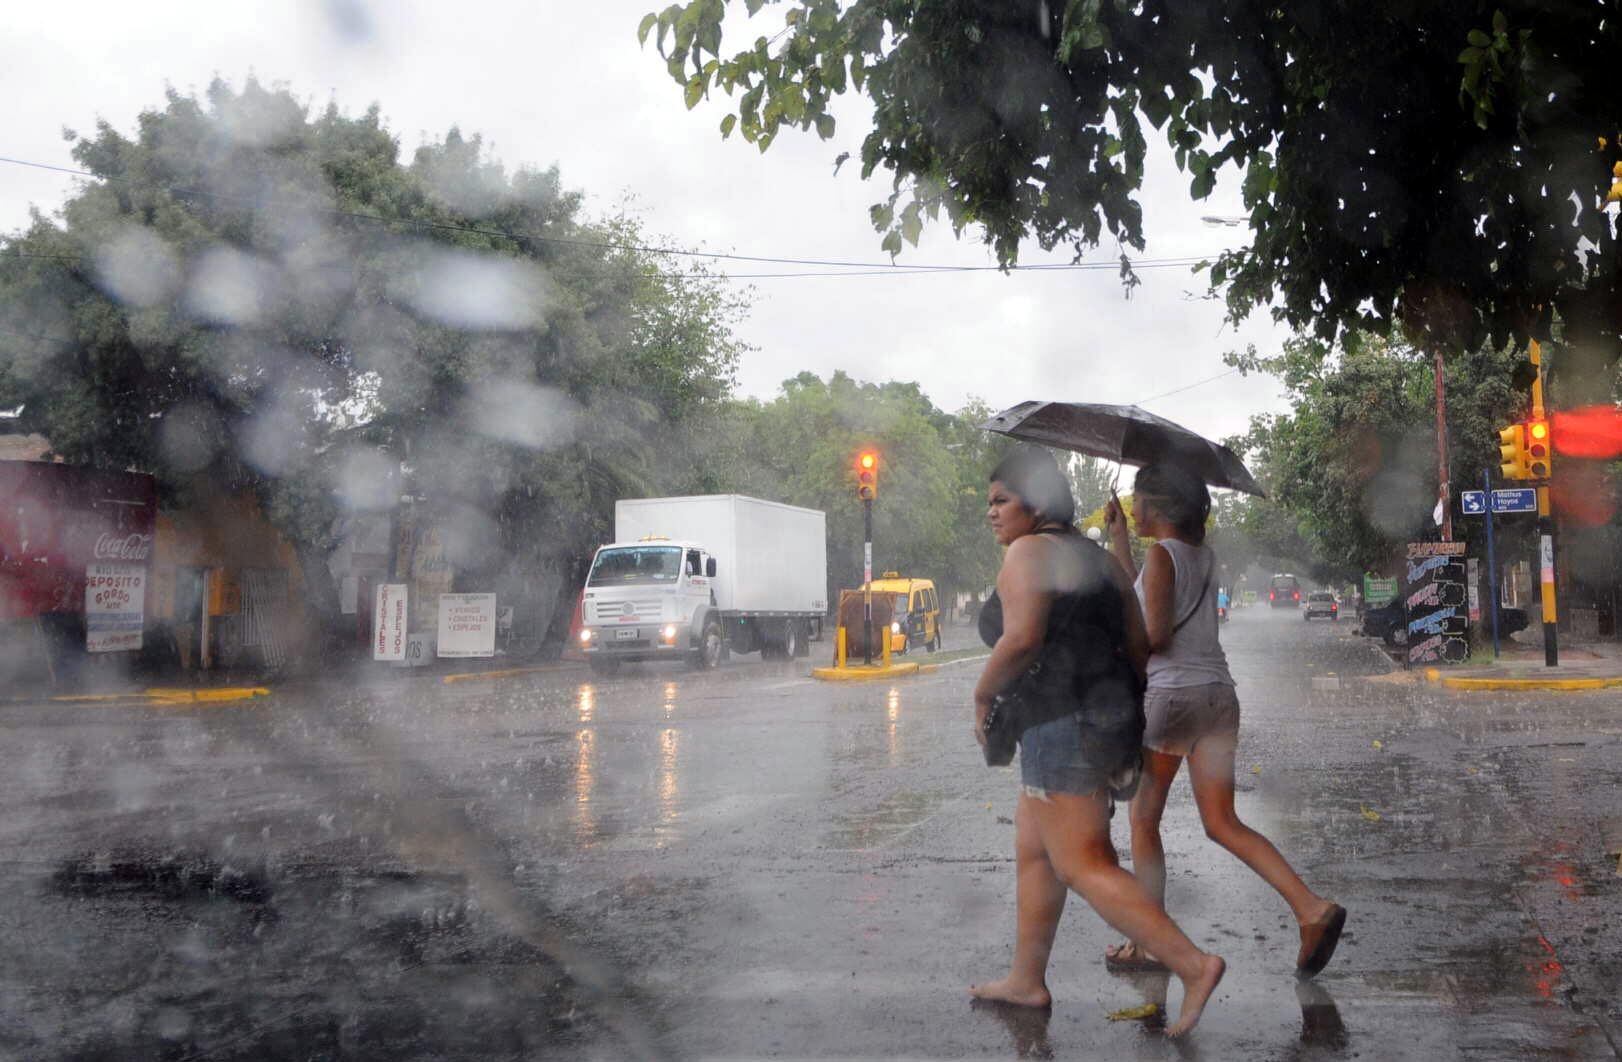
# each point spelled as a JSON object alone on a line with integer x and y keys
{"x": 1053, "y": 758}
{"x": 1180, "y": 716}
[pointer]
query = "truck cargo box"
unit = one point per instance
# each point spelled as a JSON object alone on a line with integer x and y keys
{"x": 770, "y": 558}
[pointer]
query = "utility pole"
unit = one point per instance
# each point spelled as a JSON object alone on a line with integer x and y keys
{"x": 1444, "y": 489}
{"x": 867, "y": 488}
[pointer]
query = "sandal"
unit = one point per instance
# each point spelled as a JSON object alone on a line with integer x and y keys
{"x": 1318, "y": 942}
{"x": 1129, "y": 958}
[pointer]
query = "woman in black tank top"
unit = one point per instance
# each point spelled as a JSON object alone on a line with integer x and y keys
{"x": 1056, "y": 590}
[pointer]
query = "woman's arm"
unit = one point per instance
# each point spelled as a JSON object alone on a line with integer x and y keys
{"x": 1159, "y": 586}
{"x": 1120, "y": 537}
{"x": 1022, "y": 586}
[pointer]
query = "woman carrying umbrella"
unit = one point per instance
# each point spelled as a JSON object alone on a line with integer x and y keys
{"x": 1192, "y": 712}
{"x": 1061, "y": 600}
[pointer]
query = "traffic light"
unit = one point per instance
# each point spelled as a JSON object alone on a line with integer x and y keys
{"x": 867, "y": 475}
{"x": 1512, "y": 452}
{"x": 1538, "y": 451}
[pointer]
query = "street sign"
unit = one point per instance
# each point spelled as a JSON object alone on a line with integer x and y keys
{"x": 1516, "y": 500}
{"x": 1474, "y": 502}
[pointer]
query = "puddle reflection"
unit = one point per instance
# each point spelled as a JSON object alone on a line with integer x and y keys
{"x": 892, "y": 715}
{"x": 1027, "y": 1026}
{"x": 669, "y": 785}
{"x": 585, "y": 767}
{"x": 1321, "y": 1024}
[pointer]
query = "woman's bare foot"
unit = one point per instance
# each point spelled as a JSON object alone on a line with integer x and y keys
{"x": 1196, "y": 993}
{"x": 1010, "y": 991}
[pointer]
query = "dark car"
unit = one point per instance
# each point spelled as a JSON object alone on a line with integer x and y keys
{"x": 1389, "y": 623}
{"x": 1283, "y": 591}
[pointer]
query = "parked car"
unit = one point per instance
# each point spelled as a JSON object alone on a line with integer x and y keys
{"x": 1321, "y": 603}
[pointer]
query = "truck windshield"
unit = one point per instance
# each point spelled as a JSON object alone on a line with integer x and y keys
{"x": 635, "y": 564}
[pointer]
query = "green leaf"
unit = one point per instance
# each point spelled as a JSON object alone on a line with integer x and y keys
{"x": 695, "y": 91}
{"x": 912, "y": 226}
{"x": 727, "y": 124}
{"x": 1479, "y": 39}
{"x": 825, "y": 126}
{"x": 891, "y": 244}
{"x": 1500, "y": 22}
{"x": 650, "y": 20}
{"x": 844, "y": 157}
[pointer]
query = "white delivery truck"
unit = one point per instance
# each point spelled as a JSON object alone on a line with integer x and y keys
{"x": 696, "y": 578}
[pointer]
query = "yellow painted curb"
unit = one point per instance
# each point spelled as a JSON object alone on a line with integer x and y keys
{"x": 215, "y": 695}
{"x": 863, "y": 674}
{"x": 1531, "y": 684}
{"x": 511, "y": 672}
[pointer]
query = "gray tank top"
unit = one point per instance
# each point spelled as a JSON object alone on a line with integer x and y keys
{"x": 1194, "y": 657}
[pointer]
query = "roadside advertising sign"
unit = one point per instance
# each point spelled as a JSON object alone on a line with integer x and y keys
{"x": 389, "y": 622}
{"x": 114, "y": 607}
{"x": 467, "y": 625}
{"x": 1377, "y": 592}
{"x": 1437, "y": 601}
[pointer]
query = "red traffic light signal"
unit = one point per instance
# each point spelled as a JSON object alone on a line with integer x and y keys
{"x": 867, "y": 475}
{"x": 1538, "y": 449}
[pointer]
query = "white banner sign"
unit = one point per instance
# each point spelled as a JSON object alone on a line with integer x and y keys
{"x": 467, "y": 625}
{"x": 114, "y": 607}
{"x": 389, "y": 622}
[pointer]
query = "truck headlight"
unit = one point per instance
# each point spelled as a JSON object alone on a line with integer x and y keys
{"x": 669, "y": 632}
{"x": 586, "y": 635}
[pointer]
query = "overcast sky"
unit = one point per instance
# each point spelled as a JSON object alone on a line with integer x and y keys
{"x": 549, "y": 81}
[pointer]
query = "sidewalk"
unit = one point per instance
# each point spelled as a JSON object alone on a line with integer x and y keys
{"x": 1520, "y": 666}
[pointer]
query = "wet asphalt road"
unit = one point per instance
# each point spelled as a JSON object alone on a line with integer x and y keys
{"x": 751, "y": 864}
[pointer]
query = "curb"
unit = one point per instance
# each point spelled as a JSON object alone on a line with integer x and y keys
{"x": 168, "y": 696}
{"x": 511, "y": 672}
{"x": 1460, "y": 682}
{"x": 864, "y": 674}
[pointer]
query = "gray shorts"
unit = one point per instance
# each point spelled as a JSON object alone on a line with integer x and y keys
{"x": 1180, "y": 716}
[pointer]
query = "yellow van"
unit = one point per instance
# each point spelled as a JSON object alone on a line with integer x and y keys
{"x": 917, "y": 612}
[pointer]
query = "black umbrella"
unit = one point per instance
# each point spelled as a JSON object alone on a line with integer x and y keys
{"x": 1126, "y": 434}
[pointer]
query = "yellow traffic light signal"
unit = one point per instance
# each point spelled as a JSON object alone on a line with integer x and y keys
{"x": 867, "y": 475}
{"x": 1512, "y": 452}
{"x": 1538, "y": 450}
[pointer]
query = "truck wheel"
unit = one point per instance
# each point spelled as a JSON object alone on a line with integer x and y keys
{"x": 789, "y": 646}
{"x": 711, "y": 648}
{"x": 804, "y": 649}
{"x": 934, "y": 643}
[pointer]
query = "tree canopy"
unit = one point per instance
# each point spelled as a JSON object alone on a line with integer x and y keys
{"x": 255, "y": 296}
{"x": 1441, "y": 165}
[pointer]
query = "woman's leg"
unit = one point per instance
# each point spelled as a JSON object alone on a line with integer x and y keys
{"x": 1075, "y": 834}
{"x": 1148, "y": 856}
{"x": 1040, "y": 901}
{"x": 1210, "y": 770}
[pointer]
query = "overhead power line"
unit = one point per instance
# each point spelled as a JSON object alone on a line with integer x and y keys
{"x": 872, "y": 268}
{"x": 1186, "y": 387}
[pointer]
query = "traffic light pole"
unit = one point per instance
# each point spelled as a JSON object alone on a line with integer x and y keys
{"x": 1551, "y": 637}
{"x": 1492, "y": 559}
{"x": 867, "y": 581}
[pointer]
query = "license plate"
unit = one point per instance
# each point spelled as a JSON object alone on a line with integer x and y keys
{"x": 625, "y": 634}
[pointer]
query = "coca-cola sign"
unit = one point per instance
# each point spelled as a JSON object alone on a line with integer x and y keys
{"x": 110, "y": 547}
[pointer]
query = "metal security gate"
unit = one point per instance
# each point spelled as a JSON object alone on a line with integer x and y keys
{"x": 264, "y": 614}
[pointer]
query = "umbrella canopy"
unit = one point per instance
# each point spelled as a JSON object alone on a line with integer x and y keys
{"x": 1127, "y": 434}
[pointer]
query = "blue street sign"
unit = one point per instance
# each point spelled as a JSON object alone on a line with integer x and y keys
{"x": 1474, "y": 502}
{"x": 1515, "y": 500}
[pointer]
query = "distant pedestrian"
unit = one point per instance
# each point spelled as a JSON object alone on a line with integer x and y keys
{"x": 1060, "y": 594}
{"x": 1193, "y": 712}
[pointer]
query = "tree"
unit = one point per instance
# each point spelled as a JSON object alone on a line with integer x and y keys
{"x": 1445, "y": 165}
{"x": 1353, "y": 463}
{"x": 252, "y": 297}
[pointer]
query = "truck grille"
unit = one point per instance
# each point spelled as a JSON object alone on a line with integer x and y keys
{"x": 623, "y": 611}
